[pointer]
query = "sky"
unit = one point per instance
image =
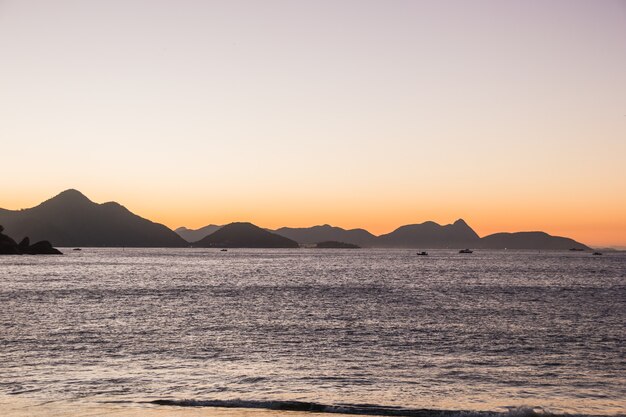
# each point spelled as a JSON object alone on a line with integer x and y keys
{"x": 374, "y": 114}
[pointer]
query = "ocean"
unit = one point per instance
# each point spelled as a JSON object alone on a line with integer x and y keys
{"x": 367, "y": 331}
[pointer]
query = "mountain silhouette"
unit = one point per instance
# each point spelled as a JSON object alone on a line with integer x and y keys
{"x": 191, "y": 235}
{"x": 71, "y": 219}
{"x": 430, "y": 235}
{"x": 427, "y": 235}
{"x": 245, "y": 235}
{"x": 528, "y": 240}
{"x": 315, "y": 234}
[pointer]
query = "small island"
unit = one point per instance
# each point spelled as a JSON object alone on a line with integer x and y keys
{"x": 331, "y": 244}
{"x": 244, "y": 235}
{"x": 8, "y": 246}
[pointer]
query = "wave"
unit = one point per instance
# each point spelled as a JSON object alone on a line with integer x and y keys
{"x": 359, "y": 409}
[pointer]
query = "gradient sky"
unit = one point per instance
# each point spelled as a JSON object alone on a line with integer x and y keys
{"x": 510, "y": 114}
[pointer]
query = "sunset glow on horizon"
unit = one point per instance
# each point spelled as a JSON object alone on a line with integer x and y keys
{"x": 359, "y": 114}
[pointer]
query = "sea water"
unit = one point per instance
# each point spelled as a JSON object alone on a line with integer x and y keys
{"x": 363, "y": 331}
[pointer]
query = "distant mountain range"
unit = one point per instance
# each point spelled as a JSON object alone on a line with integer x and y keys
{"x": 316, "y": 234}
{"x": 71, "y": 219}
{"x": 429, "y": 235}
{"x": 195, "y": 235}
{"x": 528, "y": 240}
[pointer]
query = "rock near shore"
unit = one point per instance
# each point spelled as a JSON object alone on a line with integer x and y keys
{"x": 8, "y": 246}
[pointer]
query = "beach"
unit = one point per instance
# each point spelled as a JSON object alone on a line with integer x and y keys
{"x": 22, "y": 407}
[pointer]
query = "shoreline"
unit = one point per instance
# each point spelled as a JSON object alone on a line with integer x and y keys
{"x": 19, "y": 406}
{"x": 14, "y": 406}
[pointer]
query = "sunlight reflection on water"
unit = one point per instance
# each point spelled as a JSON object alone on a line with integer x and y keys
{"x": 479, "y": 332}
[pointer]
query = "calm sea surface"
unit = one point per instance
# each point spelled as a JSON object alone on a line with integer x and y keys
{"x": 381, "y": 329}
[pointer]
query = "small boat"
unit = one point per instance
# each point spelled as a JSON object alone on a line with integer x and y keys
{"x": 77, "y": 249}
{"x": 422, "y": 253}
{"x": 466, "y": 251}
{"x": 223, "y": 250}
{"x": 597, "y": 253}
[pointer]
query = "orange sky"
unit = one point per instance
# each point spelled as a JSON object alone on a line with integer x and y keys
{"x": 511, "y": 115}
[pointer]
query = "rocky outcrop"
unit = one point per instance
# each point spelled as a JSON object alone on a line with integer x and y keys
{"x": 8, "y": 246}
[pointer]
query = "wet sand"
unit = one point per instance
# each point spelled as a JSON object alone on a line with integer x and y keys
{"x": 13, "y": 406}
